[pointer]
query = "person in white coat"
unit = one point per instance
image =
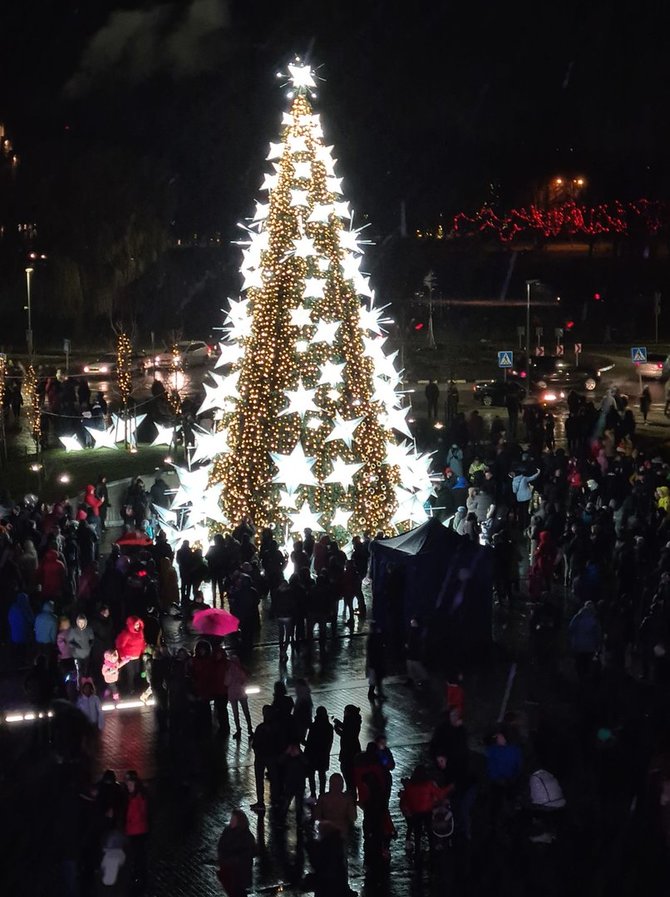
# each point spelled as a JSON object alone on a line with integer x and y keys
{"x": 89, "y": 704}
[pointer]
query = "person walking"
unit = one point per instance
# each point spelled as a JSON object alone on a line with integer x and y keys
{"x": 236, "y": 851}
{"x": 521, "y": 487}
{"x": 236, "y": 679}
{"x": 130, "y": 644}
{"x": 81, "y": 642}
{"x": 348, "y": 729}
{"x": 585, "y": 639}
{"x": 89, "y": 704}
{"x": 375, "y": 663}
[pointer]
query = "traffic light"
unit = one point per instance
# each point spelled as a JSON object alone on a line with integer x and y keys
{"x": 597, "y": 297}
{"x": 569, "y": 325}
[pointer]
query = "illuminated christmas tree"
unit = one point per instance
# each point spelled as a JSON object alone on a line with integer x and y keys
{"x": 307, "y": 407}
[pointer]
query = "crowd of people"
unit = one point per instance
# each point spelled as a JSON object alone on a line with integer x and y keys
{"x": 578, "y": 539}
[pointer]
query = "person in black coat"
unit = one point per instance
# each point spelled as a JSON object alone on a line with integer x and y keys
{"x": 236, "y": 851}
{"x": 317, "y": 750}
{"x": 375, "y": 663}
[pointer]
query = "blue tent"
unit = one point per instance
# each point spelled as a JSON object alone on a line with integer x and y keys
{"x": 440, "y": 577}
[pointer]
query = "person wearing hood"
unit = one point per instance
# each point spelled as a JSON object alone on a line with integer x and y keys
{"x": 52, "y": 575}
{"x": 89, "y": 704}
{"x": 130, "y": 644}
{"x": 521, "y": 487}
{"x": 455, "y": 459}
{"x": 458, "y": 520}
{"x": 81, "y": 642}
{"x": 46, "y": 625}
{"x": 663, "y": 499}
{"x": 92, "y": 501}
{"x": 585, "y": 638}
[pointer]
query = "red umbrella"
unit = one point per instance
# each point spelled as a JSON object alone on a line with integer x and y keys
{"x": 215, "y": 621}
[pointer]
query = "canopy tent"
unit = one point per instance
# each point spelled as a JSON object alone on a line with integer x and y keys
{"x": 443, "y": 579}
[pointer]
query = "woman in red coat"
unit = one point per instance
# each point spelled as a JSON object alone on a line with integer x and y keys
{"x": 418, "y": 798}
{"x": 130, "y": 644}
{"x": 137, "y": 830}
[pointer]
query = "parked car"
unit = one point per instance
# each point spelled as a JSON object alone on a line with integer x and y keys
{"x": 556, "y": 373}
{"x": 495, "y": 392}
{"x": 656, "y": 367}
{"x": 191, "y": 354}
{"x": 105, "y": 365}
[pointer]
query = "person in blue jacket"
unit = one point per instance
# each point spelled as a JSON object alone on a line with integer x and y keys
{"x": 46, "y": 625}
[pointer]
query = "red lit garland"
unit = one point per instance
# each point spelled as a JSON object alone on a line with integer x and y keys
{"x": 566, "y": 220}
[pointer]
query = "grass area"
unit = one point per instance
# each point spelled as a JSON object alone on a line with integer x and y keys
{"x": 82, "y": 467}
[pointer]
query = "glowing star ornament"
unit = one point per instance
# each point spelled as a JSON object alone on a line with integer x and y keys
{"x": 334, "y": 185}
{"x": 396, "y": 419}
{"x": 362, "y": 285}
{"x": 331, "y": 373}
{"x": 262, "y": 211}
{"x": 276, "y": 151}
{"x": 301, "y": 401}
{"x": 349, "y": 240}
{"x": 304, "y": 519}
{"x": 253, "y": 280}
{"x": 71, "y": 443}
{"x": 344, "y": 430}
{"x": 301, "y": 76}
{"x": 397, "y": 452}
{"x": 410, "y": 508}
{"x": 223, "y": 391}
{"x": 385, "y": 394}
{"x": 350, "y": 265}
{"x": 342, "y": 473}
{"x": 304, "y": 247}
{"x": 192, "y": 486}
{"x": 297, "y": 143}
{"x": 209, "y": 444}
{"x": 287, "y": 500}
{"x": 301, "y": 317}
{"x": 299, "y": 197}
{"x": 314, "y": 288}
{"x": 164, "y": 435}
{"x": 132, "y": 424}
{"x": 341, "y": 518}
{"x": 103, "y": 438}
{"x": 229, "y": 353}
{"x": 325, "y": 332}
{"x": 302, "y": 170}
{"x": 270, "y": 182}
{"x": 294, "y": 470}
{"x": 342, "y": 210}
{"x": 321, "y": 213}
{"x": 371, "y": 319}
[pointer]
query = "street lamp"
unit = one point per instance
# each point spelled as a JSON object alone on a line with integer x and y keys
{"x": 529, "y": 284}
{"x": 29, "y": 331}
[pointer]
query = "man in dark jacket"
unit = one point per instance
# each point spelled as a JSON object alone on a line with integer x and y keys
{"x": 264, "y": 745}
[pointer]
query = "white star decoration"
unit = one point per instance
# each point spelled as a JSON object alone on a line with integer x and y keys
{"x": 301, "y": 401}
{"x": 302, "y": 169}
{"x": 71, "y": 443}
{"x": 314, "y": 288}
{"x": 301, "y": 76}
{"x": 343, "y": 429}
{"x": 209, "y": 444}
{"x": 297, "y": 143}
{"x": 103, "y": 438}
{"x": 342, "y": 473}
{"x": 304, "y": 247}
{"x": 341, "y": 518}
{"x": 295, "y": 469}
{"x": 300, "y": 317}
{"x": 321, "y": 213}
{"x": 119, "y": 427}
{"x": 395, "y": 419}
{"x": 325, "y": 332}
{"x": 276, "y": 151}
{"x": 229, "y": 353}
{"x": 164, "y": 435}
{"x": 270, "y": 182}
{"x": 334, "y": 185}
{"x": 331, "y": 373}
{"x": 303, "y": 519}
{"x": 299, "y": 197}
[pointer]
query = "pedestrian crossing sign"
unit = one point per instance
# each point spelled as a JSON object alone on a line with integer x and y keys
{"x": 638, "y": 354}
{"x": 505, "y": 359}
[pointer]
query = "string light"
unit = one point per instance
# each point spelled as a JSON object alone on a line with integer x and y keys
{"x": 176, "y": 369}
{"x": 33, "y": 406}
{"x": 565, "y": 219}
{"x": 124, "y": 377}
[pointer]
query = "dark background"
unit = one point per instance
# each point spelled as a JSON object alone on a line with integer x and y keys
{"x": 139, "y": 125}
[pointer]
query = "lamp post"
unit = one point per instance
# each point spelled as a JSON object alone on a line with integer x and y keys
{"x": 529, "y": 284}
{"x": 29, "y": 331}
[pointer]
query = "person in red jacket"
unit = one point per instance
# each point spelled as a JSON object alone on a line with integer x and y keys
{"x": 52, "y": 576}
{"x": 417, "y": 799}
{"x": 137, "y": 831}
{"x": 92, "y": 501}
{"x": 130, "y": 644}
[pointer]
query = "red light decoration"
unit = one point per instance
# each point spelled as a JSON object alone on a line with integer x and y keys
{"x": 418, "y": 326}
{"x": 596, "y": 297}
{"x": 616, "y": 218}
{"x": 569, "y": 325}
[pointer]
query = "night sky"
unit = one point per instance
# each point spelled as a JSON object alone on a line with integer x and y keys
{"x": 444, "y": 105}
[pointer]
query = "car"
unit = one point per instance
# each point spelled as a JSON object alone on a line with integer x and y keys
{"x": 191, "y": 354}
{"x": 495, "y": 392}
{"x": 105, "y": 366}
{"x": 554, "y": 372}
{"x": 656, "y": 367}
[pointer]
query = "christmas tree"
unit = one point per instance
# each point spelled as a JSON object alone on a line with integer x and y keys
{"x": 307, "y": 402}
